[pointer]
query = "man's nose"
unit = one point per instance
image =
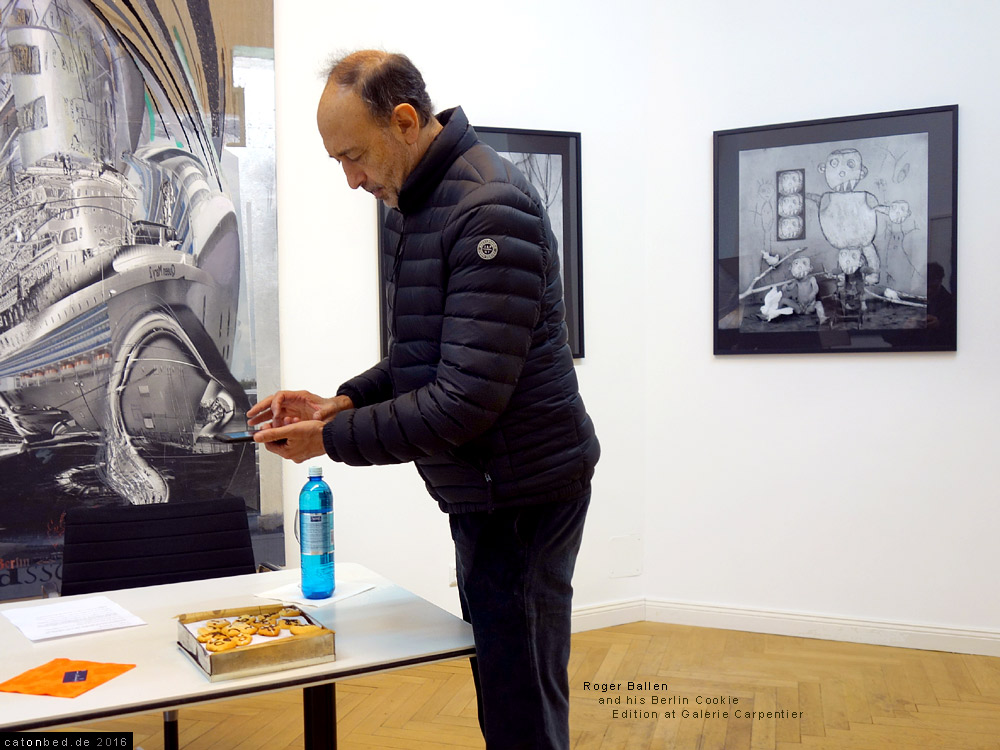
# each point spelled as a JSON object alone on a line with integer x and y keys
{"x": 355, "y": 176}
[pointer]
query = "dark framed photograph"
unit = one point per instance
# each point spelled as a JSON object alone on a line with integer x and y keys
{"x": 837, "y": 235}
{"x": 550, "y": 160}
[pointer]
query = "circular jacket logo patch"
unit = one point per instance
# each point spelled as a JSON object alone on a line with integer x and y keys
{"x": 487, "y": 249}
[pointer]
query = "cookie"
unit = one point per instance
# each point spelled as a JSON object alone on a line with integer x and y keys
{"x": 238, "y": 628}
{"x": 304, "y": 629}
{"x": 220, "y": 644}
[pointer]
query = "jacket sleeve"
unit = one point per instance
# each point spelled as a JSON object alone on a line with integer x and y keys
{"x": 496, "y": 251}
{"x": 370, "y": 387}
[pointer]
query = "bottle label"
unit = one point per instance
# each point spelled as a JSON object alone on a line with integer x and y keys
{"x": 316, "y": 533}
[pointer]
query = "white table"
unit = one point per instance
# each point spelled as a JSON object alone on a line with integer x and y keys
{"x": 378, "y": 630}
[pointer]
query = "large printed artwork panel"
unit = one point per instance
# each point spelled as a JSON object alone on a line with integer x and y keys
{"x": 137, "y": 234}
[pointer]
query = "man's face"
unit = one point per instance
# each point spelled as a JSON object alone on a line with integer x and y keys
{"x": 373, "y": 156}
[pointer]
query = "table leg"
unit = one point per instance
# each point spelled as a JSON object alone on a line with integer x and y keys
{"x": 170, "y": 734}
{"x": 319, "y": 713}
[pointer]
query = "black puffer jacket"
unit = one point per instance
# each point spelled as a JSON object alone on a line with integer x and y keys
{"x": 479, "y": 389}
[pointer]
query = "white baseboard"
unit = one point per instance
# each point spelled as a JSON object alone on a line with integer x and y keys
{"x": 823, "y": 627}
{"x": 608, "y": 615}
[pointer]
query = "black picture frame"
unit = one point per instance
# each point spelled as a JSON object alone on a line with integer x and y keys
{"x": 893, "y": 182}
{"x": 558, "y": 183}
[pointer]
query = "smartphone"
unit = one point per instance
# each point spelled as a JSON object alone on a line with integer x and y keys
{"x": 235, "y": 437}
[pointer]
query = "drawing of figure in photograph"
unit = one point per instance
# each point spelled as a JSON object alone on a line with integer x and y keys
{"x": 857, "y": 258}
{"x": 847, "y": 216}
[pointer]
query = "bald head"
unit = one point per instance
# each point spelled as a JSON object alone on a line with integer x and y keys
{"x": 383, "y": 81}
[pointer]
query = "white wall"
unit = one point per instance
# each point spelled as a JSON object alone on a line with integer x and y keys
{"x": 859, "y": 486}
{"x": 879, "y": 504}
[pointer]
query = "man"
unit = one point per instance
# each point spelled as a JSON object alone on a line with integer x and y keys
{"x": 478, "y": 389}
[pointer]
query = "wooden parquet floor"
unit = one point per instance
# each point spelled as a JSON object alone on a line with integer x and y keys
{"x": 801, "y": 694}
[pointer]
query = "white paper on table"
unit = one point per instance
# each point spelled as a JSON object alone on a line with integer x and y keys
{"x": 89, "y": 615}
{"x": 292, "y": 593}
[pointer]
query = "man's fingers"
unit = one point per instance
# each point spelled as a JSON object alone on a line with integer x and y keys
{"x": 272, "y": 434}
{"x": 261, "y": 407}
{"x": 258, "y": 419}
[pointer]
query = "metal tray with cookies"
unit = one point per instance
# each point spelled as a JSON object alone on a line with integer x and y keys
{"x": 230, "y": 643}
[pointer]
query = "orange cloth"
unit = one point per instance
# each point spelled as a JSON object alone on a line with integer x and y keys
{"x": 64, "y": 678}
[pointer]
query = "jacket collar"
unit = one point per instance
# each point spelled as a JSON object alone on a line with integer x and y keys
{"x": 455, "y": 139}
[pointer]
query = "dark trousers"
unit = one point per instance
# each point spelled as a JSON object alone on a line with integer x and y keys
{"x": 514, "y": 569}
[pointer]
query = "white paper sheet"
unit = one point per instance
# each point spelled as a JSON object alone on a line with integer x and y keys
{"x": 292, "y": 593}
{"x": 89, "y": 615}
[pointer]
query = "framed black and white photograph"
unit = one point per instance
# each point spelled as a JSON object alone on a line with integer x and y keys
{"x": 837, "y": 234}
{"x": 550, "y": 160}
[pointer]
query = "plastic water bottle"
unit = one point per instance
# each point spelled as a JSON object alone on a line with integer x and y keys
{"x": 316, "y": 536}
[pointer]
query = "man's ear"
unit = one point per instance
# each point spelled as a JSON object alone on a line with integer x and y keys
{"x": 406, "y": 123}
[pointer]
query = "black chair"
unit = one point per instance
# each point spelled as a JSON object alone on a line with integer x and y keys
{"x": 144, "y": 545}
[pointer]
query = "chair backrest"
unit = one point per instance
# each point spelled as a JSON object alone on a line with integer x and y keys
{"x": 143, "y": 545}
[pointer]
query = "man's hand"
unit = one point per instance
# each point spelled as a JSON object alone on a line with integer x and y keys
{"x": 297, "y": 442}
{"x": 288, "y": 407}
